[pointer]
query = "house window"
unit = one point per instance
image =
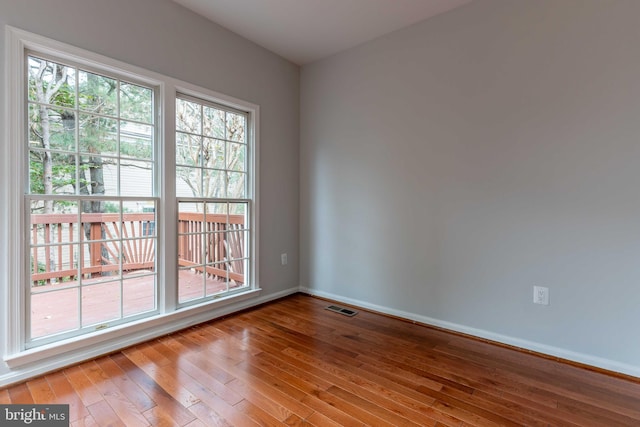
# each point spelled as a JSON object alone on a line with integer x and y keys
{"x": 91, "y": 171}
{"x": 213, "y": 203}
{"x": 129, "y": 205}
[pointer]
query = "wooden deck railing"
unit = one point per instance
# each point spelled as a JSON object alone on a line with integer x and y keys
{"x": 223, "y": 248}
{"x": 56, "y": 252}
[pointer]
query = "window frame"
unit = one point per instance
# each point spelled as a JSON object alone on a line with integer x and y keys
{"x": 14, "y": 215}
{"x": 28, "y": 340}
{"x": 247, "y": 199}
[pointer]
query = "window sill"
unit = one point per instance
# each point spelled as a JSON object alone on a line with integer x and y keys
{"x": 76, "y": 349}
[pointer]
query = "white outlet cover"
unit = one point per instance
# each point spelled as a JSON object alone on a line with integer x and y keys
{"x": 541, "y": 295}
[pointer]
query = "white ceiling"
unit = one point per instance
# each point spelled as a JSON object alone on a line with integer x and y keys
{"x": 304, "y": 31}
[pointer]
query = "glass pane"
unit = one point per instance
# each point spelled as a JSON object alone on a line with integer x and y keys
{"x": 190, "y": 247}
{"x": 213, "y": 153}
{"x": 215, "y": 250}
{"x": 235, "y": 127}
{"x": 98, "y": 135}
{"x": 192, "y": 208}
{"x": 136, "y": 103}
{"x": 138, "y": 295}
{"x": 190, "y": 284}
{"x": 51, "y": 83}
{"x": 237, "y": 273}
{"x": 234, "y": 245}
{"x": 214, "y": 123}
{"x": 60, "y": 226}
{"x": 236, "y": 270}
{"x": 100, "y": 303}
{"x": 100, "y": 220}
{"x": 97, "y": 94}
{"x": 98, "y": 176}
{"x": 52, "y": 129}
{"x": 188, "y": 149}
{"x": 220, "y": 209}
{"x": 216, "y": 279}
{"x": 238, "y": 215}
{"x": 63, "y": 173}
{"x": 100, "y": 262}
{"x": 138, "y": 254}
{"x": 188, "y": 182}
{"x": 136, "y": 140}
{"x": 136, "y": 178}
{"x": 140, "y": 223}
{"x": 236, "y": 185}
{"x": 54, "y": 312}
{"x": 53, "y": 265}
{"x": 188, "y": 116}
{"x": 190, "y": 229}
{"x": 214, "y": 183}
{"x": 236, "y": 154}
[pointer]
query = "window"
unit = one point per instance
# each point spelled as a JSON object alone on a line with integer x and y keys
{"x": 91, "y": 169}
{"x": 213, "y": 208}
{"x": 131, "y": 204}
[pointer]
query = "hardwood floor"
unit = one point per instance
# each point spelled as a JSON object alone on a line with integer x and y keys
{"x": 294, "y": 363}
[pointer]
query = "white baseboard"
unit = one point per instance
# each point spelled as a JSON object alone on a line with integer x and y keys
{"x": 81, "y": 353}
{"x": 586, "y": 359}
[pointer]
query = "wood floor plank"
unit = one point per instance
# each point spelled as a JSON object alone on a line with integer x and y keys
{"x": 167, "y": 376}
{"x": 202, "y": 376}
{"x": 292, "y": 362}
{"x": 130, "y": 389}
{"x": 20, "y": 394}
{"x": 218, "y": 405}
{"x": 208, "y": 417}
{"x": 256, "y": 413}
{"x": 269, "y": 405}
{"x": 153, "y": 390}
{"x": 65, "y": 394}
{"x": 41, "y": 390}
{"x": 319, "y": 420}
{"x": 124, "y": 409}
{"x": 158, "y": 417}
{"x": 86, "y": 421}
{"x": 104, "y": 415}
{"x": 83, "y": 386}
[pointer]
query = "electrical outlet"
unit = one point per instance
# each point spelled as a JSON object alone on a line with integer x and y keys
{"x": 283, "y": 259}
{"x": 540, "y": 295}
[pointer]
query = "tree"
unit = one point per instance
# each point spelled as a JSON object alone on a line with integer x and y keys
{"x": 46, "y": 79}
{"x": 210, "y": 142}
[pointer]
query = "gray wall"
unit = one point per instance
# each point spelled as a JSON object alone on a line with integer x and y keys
{"x": 449, "y": 167}
{"x": 164, "y": 37}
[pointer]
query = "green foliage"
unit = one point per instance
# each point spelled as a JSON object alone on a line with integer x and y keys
{"x": 66, "y": 103}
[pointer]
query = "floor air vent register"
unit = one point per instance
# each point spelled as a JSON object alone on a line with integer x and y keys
{"x": 345, "y": 311}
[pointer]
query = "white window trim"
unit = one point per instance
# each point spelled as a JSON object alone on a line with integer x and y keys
{"x": 13, "y": 211}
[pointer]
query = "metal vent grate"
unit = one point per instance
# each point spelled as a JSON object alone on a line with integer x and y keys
{"x": 345, "y": 311}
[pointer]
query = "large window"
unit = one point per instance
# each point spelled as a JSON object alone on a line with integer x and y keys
{"x": 91, "y": 171}
{"x": 213, "y": 208}
{"x": 128, "y": 204}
